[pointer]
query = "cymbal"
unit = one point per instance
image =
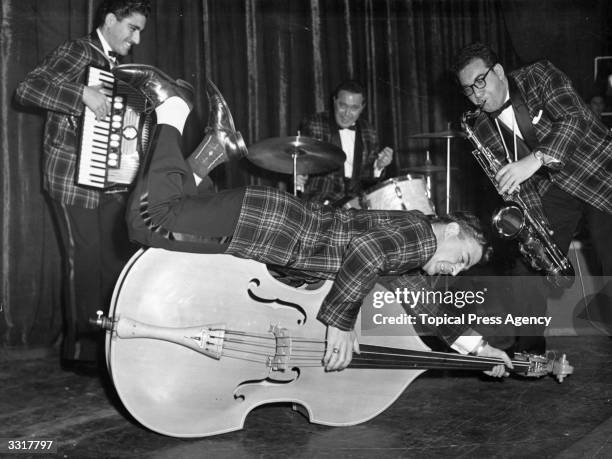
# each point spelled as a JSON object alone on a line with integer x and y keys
{"x": 313, "y": 156}
{"x": 449, "y": 134}
{"x": 426, "y": 169}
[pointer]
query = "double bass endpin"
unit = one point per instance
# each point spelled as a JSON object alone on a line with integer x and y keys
{"x": 102, "y": 321}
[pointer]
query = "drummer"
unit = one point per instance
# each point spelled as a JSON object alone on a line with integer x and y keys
{"x": 357, "y": 138}
{"x": 266, "y": 225}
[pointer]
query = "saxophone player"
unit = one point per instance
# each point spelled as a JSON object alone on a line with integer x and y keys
{"x": 555, "y": 150}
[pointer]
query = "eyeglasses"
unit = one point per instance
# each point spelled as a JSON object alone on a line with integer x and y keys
{"x": 479, "y": 83}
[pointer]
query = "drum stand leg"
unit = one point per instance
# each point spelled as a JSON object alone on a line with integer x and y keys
{"x": 294, "y": 155}
{"x": 448, "y": 169}
{"x": 428, "y": 175}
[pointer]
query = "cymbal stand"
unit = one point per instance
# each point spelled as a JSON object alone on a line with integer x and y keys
{"x": 295, "y": 153}
{"x": 294, "y": 156}
{"x": 448, "y": 170}
{"x": 428, "y": 174}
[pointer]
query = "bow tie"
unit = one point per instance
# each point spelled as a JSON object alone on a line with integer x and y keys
{"x": 494, "y": 114}
{"x": 113, "y": 55}
{"x": 350, "y": 128}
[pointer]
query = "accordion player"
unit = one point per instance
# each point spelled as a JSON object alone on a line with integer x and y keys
{"x": 110, "y": 149}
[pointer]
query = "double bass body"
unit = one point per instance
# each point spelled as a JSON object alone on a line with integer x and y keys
{"x": 267, "y": 354}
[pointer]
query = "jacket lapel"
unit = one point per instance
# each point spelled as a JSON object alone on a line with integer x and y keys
{"x": 357, "y": 152}
{"x": 100, "y": 59}
{"x": 521, "y": 113}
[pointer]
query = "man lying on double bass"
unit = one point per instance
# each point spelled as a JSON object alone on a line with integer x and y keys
{"x": 352, "y": 247}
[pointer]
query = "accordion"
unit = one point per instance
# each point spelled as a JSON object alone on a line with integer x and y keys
{"x": 110, "y": 149}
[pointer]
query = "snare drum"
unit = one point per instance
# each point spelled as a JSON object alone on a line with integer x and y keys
{"x": 406, "y": 192}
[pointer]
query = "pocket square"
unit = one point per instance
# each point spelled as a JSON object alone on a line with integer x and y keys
{"x": 536, "y": 119}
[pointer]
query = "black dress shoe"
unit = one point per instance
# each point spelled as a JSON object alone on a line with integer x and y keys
{"x": 154, "y": 84}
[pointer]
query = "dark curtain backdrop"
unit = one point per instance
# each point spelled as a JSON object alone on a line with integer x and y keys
{"x": 275, "y": 61}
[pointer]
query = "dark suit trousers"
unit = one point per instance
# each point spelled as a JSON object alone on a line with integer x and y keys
{"x": 95, "y": 248}
{"x": 183, "y": 217}
{"x": 565, "y": 212}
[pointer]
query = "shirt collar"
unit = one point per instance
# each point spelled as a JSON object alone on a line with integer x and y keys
{"x": 505, "y": 106}
{"x": 105, "y": 46}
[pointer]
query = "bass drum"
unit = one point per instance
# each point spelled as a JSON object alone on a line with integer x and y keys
{"x": 406, "y": 192}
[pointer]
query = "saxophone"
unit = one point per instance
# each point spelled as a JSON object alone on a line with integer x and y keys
{"x": 515, "y": 221}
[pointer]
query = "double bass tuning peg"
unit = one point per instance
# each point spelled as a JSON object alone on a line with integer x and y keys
{"x": 102, "y": 321}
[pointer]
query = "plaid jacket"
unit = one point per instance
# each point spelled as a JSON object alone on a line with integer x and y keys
{"x": 566, "y": 130}
{"x": 352, "y": 247}
{"x": 56, "y": 85}
{"x": 333, "y": 186}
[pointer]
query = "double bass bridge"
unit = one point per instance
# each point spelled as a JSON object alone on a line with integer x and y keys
{"x": 282, "y": 354}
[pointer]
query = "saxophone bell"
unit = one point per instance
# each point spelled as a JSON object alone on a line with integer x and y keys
{"x": 510, "y": 222}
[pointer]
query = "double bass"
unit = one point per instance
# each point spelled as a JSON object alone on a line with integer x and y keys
{"x": 195, "y": 342}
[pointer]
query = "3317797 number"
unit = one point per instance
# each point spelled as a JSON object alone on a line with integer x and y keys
{"x": 20, "y": 445}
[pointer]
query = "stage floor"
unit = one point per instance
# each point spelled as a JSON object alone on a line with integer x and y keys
{"x": 441, "y": 414}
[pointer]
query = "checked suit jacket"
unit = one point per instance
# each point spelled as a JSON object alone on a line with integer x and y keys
{"x": 565, "y": 129}
{"x": 351, "y": 247}
{"x": 56, "y": 85}
{"x": 333, "y": 186}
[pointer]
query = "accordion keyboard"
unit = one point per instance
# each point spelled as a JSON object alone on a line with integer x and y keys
{"x": 110, "y": 149}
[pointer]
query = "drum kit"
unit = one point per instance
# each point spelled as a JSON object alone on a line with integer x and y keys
{"x": 304, "y": 155}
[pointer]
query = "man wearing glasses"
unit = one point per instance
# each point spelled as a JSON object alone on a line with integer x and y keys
{"x": 552, "y": 144}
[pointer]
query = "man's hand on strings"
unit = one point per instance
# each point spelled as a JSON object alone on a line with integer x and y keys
{"x": 498, "y": 371}
{"x": 340, "y": 347}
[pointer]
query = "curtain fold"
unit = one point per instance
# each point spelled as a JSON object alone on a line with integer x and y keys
{"x": 275, "y": 61}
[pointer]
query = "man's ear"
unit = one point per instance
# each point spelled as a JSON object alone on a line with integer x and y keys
{"x": 452, "y": 229}
{"x": 499, "y": 71}
{"x": 110, "y": 19}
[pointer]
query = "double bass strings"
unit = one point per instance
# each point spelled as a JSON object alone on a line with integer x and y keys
{"x": 310, "y": 352}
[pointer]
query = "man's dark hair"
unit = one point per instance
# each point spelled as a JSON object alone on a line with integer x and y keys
{"x": 123, "y": 8}
{"x": 471, "y": 226}
{"x": 352, "y": 86}
{"x": 473, "y": 51}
